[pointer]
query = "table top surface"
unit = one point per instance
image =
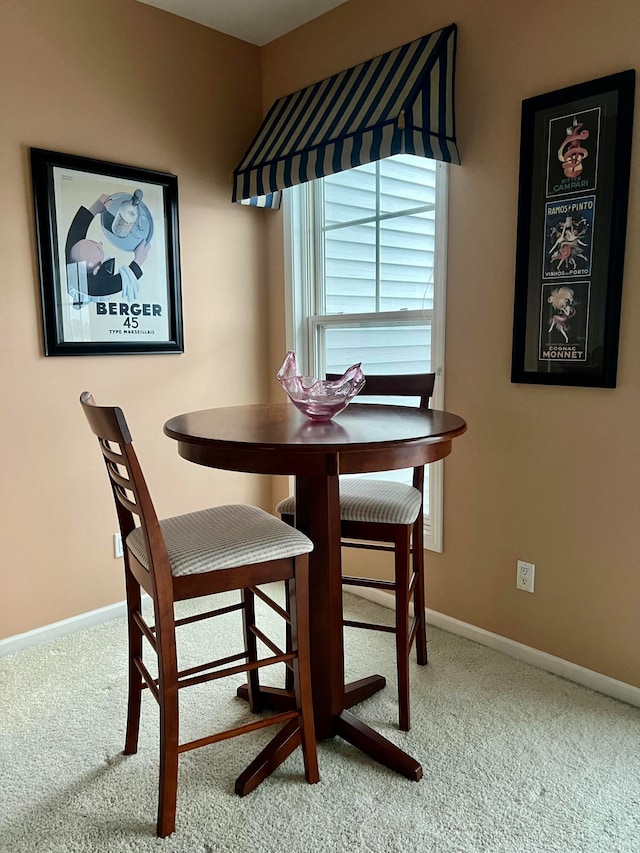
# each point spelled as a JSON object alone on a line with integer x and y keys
{"x": 280, "y": 425}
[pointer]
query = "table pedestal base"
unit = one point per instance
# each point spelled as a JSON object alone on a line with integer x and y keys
{"x": 272, "y": 698}
{"x": 366, "y": 739}
{"x": 346, "y": 726}
{"x": 358, "y": 691}
{"x": 272, "y": 756}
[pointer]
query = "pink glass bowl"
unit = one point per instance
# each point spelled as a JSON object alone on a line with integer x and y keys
{"x": 319, "y": 399}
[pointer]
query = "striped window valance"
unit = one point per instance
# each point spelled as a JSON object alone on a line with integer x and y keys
{"x": 398, "y": 103}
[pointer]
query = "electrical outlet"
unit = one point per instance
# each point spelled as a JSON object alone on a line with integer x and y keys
{"x": 526, "y": 575}
{"x": 117, "y": 546}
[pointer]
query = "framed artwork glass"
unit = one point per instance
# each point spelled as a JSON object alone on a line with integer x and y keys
{"x": 109, "y": 258}
{"x": 572, "y": 212}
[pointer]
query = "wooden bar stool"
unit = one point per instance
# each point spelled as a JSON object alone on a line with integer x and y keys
{"x": 381, "y": 511}
{"x": 214, "y": 550}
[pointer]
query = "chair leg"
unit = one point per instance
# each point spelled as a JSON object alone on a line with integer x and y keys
{"x": 251, "y": 645}
{"x": 134, "y": 603}
{"x": 168, "y": 788}
{"x": 402, "y": 573}
{"x": 419, "y": 604}
{"x": 169, "y": 725}
{"x": 288, "y": 673}
{"x": 298, "y": 595}
{"x": 288, "y": 676}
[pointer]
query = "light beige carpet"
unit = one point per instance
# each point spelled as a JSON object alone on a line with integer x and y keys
{"x": 515, "y": 760}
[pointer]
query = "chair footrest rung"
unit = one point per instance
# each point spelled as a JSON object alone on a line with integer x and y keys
{"x": 365, "y": 546}
{"x": 240, "y": 730}
{"x": 266, "y": 640}
{"x": 188, "y": 620}
{"x": 348, "y": 623}
{"x": 235, "y": 670}
{"x": 212, "y": 664}
{"x": 149, "y": 681}
{"x": 348, "y": 580}
{"x": 271, "y": 603}
{"x": 148, "y": 632}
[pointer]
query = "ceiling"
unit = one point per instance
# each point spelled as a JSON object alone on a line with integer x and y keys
{"x": 255, "y": 21}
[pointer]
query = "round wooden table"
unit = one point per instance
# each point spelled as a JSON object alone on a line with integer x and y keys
{"x": 277, "y": 439}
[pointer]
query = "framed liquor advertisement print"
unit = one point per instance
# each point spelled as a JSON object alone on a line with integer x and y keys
{"x": 109, "y": 258}
{"x": 575, "y": 154}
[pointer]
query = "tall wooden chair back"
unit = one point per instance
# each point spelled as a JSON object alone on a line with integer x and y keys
{"x": 214, "y": 550}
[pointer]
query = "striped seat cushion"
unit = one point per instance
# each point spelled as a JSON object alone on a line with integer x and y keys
{"x": 377, "y": 501}
{"x": 223, "y": 537}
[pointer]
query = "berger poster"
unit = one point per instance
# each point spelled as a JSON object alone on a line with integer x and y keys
{"x": 116, "y": 283}
{"x": 110, "y": 282}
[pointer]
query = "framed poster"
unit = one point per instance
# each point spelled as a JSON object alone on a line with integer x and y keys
{"x": 109, "y": 259}
{"x": 575, "y": 154}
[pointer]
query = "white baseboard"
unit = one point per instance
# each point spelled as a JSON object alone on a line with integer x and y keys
{"x": 571, "y": 671}
{"x": 10, "y": 645}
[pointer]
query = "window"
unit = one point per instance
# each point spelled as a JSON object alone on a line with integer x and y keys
{"x": 366, "y": 281}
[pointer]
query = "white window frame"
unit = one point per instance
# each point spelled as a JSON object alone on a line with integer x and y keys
{"x": 301, "y": 267}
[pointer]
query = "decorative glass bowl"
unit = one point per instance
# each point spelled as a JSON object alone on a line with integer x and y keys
{"x": 319, "y": 399}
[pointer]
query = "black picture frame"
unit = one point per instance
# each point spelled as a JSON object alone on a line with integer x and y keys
{"x": 109, "y": 258}
{"x": 575, "y": 155}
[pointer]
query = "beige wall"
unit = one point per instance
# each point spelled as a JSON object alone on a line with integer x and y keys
{"x": 548, "y": 475}
{"x": 119, "y": 81}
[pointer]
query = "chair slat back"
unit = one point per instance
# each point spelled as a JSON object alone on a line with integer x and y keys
{"x": 128, "y": 484}
{"x": 397, "y": 385}
{"x": 418, "y": 385}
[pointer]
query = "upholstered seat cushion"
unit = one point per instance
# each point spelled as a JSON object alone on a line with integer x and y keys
{"x": 377, "y": 501}
{"x": 223, "y": 537}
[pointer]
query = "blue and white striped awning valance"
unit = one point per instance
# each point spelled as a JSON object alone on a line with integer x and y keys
{"x": 397, "y": 103}
{"x": 268, "y": 200}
